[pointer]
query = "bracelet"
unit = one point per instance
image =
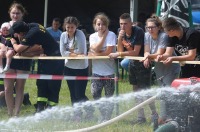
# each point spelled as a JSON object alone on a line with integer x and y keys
{"x": 120, "y": 53}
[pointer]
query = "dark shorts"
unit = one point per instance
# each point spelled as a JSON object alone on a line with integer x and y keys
{"x": 190, "y": 70}
{"x": 139, "y": 75}
{"x": 20, "y": 64}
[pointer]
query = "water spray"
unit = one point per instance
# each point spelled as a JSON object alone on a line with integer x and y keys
{"x": 184, "y": 97}
{"x": 120, "y": 117}
{"x": 181, "y": 108}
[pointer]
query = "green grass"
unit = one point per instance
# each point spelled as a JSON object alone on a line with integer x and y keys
{"x": 64, "y": 100}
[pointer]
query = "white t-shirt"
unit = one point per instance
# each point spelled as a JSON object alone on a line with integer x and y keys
{"x": 79, "y": 45}
{"x": 103, "y": 67}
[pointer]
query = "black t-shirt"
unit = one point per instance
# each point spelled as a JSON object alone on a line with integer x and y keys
{"x": 19, "y": 64}
{"x": 189, "y": 41}
{"x": 136, "y": 38}
{"x": 37, "y": 34}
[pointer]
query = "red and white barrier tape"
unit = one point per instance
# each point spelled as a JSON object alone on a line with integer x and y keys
{"x": 50, "y": 77}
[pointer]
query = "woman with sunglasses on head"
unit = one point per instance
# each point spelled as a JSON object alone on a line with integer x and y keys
{"x": 155, "y": 44}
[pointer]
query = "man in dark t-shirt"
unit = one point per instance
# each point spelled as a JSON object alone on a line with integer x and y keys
{"x": 31, "y": 34}
{"x": 131, "y": 43}
{"x": 186, "y": 43}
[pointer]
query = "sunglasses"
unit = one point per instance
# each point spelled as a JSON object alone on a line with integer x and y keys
{"x": 151, "y": 27}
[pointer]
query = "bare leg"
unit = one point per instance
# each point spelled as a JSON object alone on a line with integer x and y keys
{"x": 9, "y": 85}
{"x": 2, "y": 94}
{"x": 152, "y": 106}
{"x": 138, "y": 100}
{"x": 9, "y": 56}
{"x": 19, "y": 87}
{"x": 1, "y": 65}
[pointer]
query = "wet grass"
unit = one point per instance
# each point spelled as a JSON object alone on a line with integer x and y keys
{"x": 121, "y": 126}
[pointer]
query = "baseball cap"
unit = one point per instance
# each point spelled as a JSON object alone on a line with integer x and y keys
{"x": 19, "y": 26}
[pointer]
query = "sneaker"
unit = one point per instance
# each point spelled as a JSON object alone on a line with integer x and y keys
{"x": 49, "y": 106}
{"x": 1, "y": 69}
{"x": 140, "y": 121}
{"x": 26, "y": 100}
{"x": 40, "y": 106}
{"x": 6, "y": 68}
{"x": 40, "y": 109}
{"x": 154, "y": 117}
{"x": 2, "y": 94}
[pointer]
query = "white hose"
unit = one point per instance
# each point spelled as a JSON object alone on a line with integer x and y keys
{"x": 92, "y": 128}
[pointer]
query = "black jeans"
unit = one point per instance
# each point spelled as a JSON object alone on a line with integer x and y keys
{"x": 77, "y": 87}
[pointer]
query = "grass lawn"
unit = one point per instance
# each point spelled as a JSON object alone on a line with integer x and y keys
{"x": 64, "y": 100}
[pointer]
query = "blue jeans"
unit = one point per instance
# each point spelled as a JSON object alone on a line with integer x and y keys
{"x": 124, "y": 63}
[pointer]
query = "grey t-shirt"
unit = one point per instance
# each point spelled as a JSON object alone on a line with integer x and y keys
{"x": 161, "y": 42}
{"x": 161, "y": 70}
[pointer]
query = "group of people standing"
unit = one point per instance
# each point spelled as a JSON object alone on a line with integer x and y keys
{"x": 72, "y": 42}
{"x": 160, "y": 42}
{"x": 22, "y": 36}
{"x": 163, "y": 42}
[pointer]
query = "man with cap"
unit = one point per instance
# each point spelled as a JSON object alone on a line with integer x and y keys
{"x": 31, "y": 34}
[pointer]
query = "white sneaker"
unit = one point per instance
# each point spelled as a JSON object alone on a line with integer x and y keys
{"x": 1, "y": 69}
{"x": 2, "y": 93}
{"x": 6, "y": 68}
